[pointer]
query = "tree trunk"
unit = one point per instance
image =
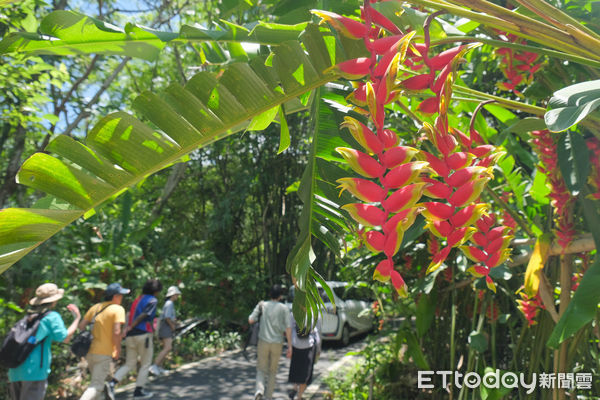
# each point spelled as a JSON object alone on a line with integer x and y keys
{"x": 9, "y": 184}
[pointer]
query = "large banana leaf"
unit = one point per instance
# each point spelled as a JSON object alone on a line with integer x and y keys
{"x": 68, "y": 32}
{"x": 121, "y": 150}
{"x": 321, "y": 216}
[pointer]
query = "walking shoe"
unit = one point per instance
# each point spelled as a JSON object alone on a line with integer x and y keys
{"x": 142, "y": 394}
{"x": 258, "y": 396}
{"x": 292, "y": 393}
{"x": 154, "y": 369}
{"x": 109, "y": 390}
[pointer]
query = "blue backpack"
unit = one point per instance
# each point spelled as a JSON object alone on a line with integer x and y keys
{"x": 20, "y": 341}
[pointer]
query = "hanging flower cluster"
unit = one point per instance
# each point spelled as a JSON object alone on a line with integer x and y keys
{"x": 593, "y": 145}
{"x": 561, "y": 199}
{"x": 518, "y": 67}
{"x": 489, "y": 248}
{"x": 394, "y": 177}
{"x": 530, "y": 306}
{"x": 390, "y": 186}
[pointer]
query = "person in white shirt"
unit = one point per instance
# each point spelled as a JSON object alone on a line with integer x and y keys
{"x": 274, "y": 323}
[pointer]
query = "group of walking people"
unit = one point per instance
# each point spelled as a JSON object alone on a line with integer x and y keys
{"x": 108, "y": 324}
{"x": 303, "y": 347}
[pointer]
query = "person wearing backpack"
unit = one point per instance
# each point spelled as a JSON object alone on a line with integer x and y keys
{"x": 138, "y": 342}
{"x": 108, "y": 317}
{"x": 29, "y": 380}
{"x": 274, "y": 324}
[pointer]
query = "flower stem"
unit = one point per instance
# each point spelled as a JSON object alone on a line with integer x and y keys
{"x": 518, "y": 219}
{"x": 500, "y": 43}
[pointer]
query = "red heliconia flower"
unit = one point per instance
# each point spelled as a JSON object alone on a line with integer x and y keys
{"x": 359, "y": 95}
{"x": 363, "y": 135}
{"x": 447, "y": 274}
{"x": 362, "y": 189}
{"x": 418, "y": 82}
{"x": 404, "y": 174}
{"x": 438, "y": 259}
{"x": 492, "y": 312}
{"x": 436, "y": 211}
{"x": 399, "y": 284}
{"x": 560, "y": 197}
{"x": 529, "y": 306}
{"x": 383, "y": 271}
{"x": 379, "y": 19}
{"x": 468, "y": 174}
{"x": 483, "y": 272}
{"x": 576, "y": 280}
{"x": 468, "y": 192}
{"x": 444, "y": 58}
{"x": 436, "y": 189}
{"x": 468, "y": 215}
{"x": 389, "y": 140}
{"x": 429, "y": 106}
{"x": 459, "y": 160}
{"x": 374, "y": 240}
{"x": 398, "y": 155}
{"x": 438, "y": 165}
{"x": 361, "y": 163}
{"x": 491, "y": 250}
{"x": 365, "y": 214}
{"x": 516, "y": 65}
{"x": 383, "y": 45}
{"x": 404, "y": 198}
{"x": 346, "y": 26}
{"x": 352, "y": 69}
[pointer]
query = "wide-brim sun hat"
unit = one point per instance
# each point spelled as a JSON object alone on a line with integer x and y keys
{"x": 47, "y": 293}
{"x": 172, "y": 291}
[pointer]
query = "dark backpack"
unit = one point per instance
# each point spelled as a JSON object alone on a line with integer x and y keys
{"x": 303, "y": 333}
{"x": 20, "y": 341}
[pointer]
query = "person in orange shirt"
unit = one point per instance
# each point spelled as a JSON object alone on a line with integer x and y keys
{"x": 107, "y": 318}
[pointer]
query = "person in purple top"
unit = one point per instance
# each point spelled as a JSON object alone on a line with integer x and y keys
{"x": 138, "y": 342}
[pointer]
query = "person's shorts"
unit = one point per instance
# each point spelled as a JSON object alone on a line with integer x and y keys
{"x": 165, "y": 331}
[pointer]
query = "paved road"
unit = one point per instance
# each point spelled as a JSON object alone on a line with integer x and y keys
{"x": 231, "y": 377}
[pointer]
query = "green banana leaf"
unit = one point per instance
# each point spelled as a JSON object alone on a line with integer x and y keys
{"x": 121, "y": 150}
{"x": 68, "y": 32}
{"x": 321, "y": 216}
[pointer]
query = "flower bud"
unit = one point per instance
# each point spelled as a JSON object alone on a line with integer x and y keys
{"x": 365, "y": 214}
{"x": 362, "y": 189}
{"x": 363, "y": 135}
{"x": 361, "y": 163}
{"x": 346, "y": 26}
{"x": 404, "y": 198}
{"x": 398, "y": 155}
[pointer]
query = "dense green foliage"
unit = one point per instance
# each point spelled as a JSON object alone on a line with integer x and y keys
{"x": 229, "y": 213}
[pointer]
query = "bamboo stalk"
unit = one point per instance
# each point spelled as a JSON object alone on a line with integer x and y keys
{"x": 517, "y": 46}
{"x": 535, "y": 27}
{"x": 551, "y": 13}
{"x": 581, "y": 244}
{"x": 512, "y": 104}
{"x": 523, "y": 27}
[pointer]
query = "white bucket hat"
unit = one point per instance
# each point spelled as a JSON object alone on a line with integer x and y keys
{"x": 173, "y": 290}
{"x": 47, "y": 293}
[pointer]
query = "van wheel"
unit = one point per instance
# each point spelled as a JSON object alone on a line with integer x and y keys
{"x": 345, "y": 335}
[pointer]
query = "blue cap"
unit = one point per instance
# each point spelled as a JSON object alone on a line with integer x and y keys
{"x": 115, "y": 288}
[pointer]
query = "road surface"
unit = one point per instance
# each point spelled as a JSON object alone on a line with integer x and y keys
{"x": 231, "y": 377}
